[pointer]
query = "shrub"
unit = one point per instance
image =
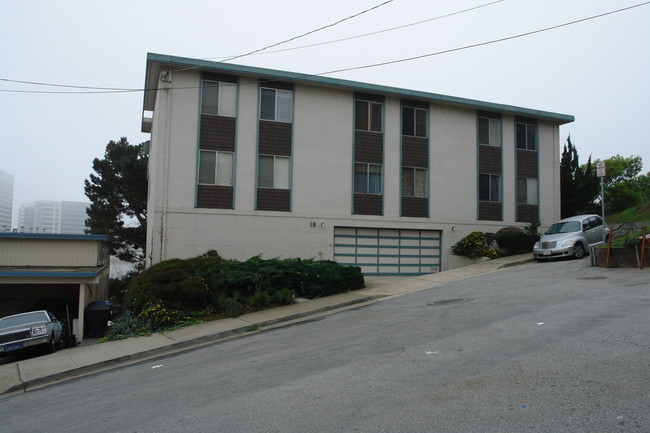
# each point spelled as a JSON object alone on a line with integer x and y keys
{"x": 474, "y": 245}
{"x": 159, "y": 316}
{"x": 283, "y": 297}
{"x": 516, "y": 242}
{"x": 173, "y": 282}
{"x": 508, "y": 229}
{"x": 232, "y": 308}
{"x": 259, "y": 300}
{"x": 229, "y": 286}
{"x": 128, "y": 325}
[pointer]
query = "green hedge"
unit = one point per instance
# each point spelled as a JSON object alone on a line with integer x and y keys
{"x": 516, "y": 242}
{"x": 231, "y": 286}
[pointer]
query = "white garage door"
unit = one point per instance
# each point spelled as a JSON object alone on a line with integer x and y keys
{"x": 388, "y": 251}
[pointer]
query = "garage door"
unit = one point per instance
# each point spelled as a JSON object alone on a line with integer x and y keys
{"x": 388, "y": 251}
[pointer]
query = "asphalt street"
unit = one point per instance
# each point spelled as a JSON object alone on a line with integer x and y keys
{"x": 541, "y": 347}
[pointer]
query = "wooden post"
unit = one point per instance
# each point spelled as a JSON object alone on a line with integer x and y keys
{"x": 609, "y": 248}
{"x": 643, "y": 244}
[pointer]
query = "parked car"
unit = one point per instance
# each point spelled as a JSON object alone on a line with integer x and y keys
{"x": 571, "y": 237}
{"x": 35, "y": 328}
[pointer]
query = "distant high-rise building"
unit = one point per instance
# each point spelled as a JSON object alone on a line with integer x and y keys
{"x": 6, "y": 200}
{"x": 46, "y": 216}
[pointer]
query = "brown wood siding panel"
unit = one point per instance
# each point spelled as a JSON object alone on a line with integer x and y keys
{"x": 415, "y": 104}
{"x": 489, "y": 160}
{"x": 368, "y": 97}
{"x": 276, "y": 85}
{"x": 415, "y": 207}
{"x": 527, "y": 213}
{"x": 275, "y": 138}
{"x": 415, "y": 152}
{"x": 489, "y": 211}
{"x": 368, "y": 204}
{"x": 215, "y": 197}
{"x": 224, "y": 78}
{"x": 527, "y": 164}
{"x": 368, "y": 147}
{"x": 274, "y": 199}
{"x": 217, "y": 133}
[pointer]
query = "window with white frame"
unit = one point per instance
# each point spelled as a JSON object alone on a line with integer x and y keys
{"x": 276, "y": 104}
{"x": 273, "y": 171}
{"x": 489, "y": 131}
{"x": 414, "y": 182}
{"x": 215, "y": 168}
{"x": 367, "y": 116}
{"x": 489, "y": 187}
{"x": 219, "y": 98}
{"x": 526, "y": 136}
{"x": 414, "y": 122}
{"x": 527, "y": 191}
{"x": 367, "y": 178}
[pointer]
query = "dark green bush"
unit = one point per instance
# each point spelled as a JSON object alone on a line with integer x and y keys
{"x": 516, "y": 242}
{"x": 128, "y": 325}
{"x": 232, "y": 308}
{"x": 229, "y": 285}
{"x": 282, "y": 297}
{"x": 259, "y": 300}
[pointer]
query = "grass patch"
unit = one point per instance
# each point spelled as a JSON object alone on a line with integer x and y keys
{"x": 632, "y": 214}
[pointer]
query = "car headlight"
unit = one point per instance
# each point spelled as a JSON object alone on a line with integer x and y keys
{"x": 39, "y": 330}
{"x": 568, "y": 243}
{"x": 536, "y": 245}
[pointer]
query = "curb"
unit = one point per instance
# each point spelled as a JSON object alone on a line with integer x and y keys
{"x": 176, "y": 347}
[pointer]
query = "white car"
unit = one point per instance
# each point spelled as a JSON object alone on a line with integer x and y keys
{"x": 571, "y": 237}
{"x": 35, "y": 328}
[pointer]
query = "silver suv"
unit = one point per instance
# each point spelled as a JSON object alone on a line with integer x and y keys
{"x": 571, "y": 237}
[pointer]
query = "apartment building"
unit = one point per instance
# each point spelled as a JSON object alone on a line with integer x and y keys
{"x": 250, "y": 161}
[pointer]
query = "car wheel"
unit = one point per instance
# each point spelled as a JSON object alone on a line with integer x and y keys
{"x": 578, "y": 251}
{"x": 51, "y": 345}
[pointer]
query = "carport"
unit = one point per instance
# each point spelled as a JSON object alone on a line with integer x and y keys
{"x": 61, "y": 273}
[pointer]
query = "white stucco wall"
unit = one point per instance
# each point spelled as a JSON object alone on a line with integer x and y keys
{"x": 322, "y": 171}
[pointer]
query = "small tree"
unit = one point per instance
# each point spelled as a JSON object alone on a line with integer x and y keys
{"x": 579, "y": 185}
{"x": 118, "y": 196}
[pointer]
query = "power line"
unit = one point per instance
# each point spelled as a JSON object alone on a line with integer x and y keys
{"x": 120, "y": 90}
{"x": 69, "y": 86}
{"x": 494, "y": 41}
{"x": 310, "y": 32}
{"x": 371, "y": 33}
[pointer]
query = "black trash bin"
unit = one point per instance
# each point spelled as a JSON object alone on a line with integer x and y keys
{"x": 97, "y": 315}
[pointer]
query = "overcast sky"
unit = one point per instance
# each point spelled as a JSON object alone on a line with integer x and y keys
{"x": 597, "y": 70}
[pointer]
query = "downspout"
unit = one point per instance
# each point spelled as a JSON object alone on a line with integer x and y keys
{"x": 165, "y": 80}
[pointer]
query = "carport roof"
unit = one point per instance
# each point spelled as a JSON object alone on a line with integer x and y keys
{"x": 51, "y": 272}
{"x": 11, "y": 235}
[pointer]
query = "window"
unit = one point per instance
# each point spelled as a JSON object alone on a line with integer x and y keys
{"x": 595, "y": 222}
{"x": 489, "y": 131}
{"x": 526, "y": 191}
{"x": 276, "y": 105}
{"x": 219, "y": 98}
{"x": 489, "y": 187}
{"x": 526, "y": 136}
{"x": 367, "y": 178}
{"x": 215, "y": 168}
{"x": 367, "y": 116}
{"x": 414, "y": 122}
{"x": 414, "y": 182}
{"x": 273, "y": 172}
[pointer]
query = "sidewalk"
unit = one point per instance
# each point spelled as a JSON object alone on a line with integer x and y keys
{"x": 30, "y": 373}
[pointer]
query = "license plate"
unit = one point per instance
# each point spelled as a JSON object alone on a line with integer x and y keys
{"x": 15, "y": 346}
{"x": 547, "y": 252}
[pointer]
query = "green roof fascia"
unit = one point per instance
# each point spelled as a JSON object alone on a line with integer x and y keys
{"x": 151, "y": 81}
{"x": 18, "y": 235}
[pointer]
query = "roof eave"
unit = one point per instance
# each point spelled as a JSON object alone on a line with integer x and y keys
{"x": 155, "y": 62}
